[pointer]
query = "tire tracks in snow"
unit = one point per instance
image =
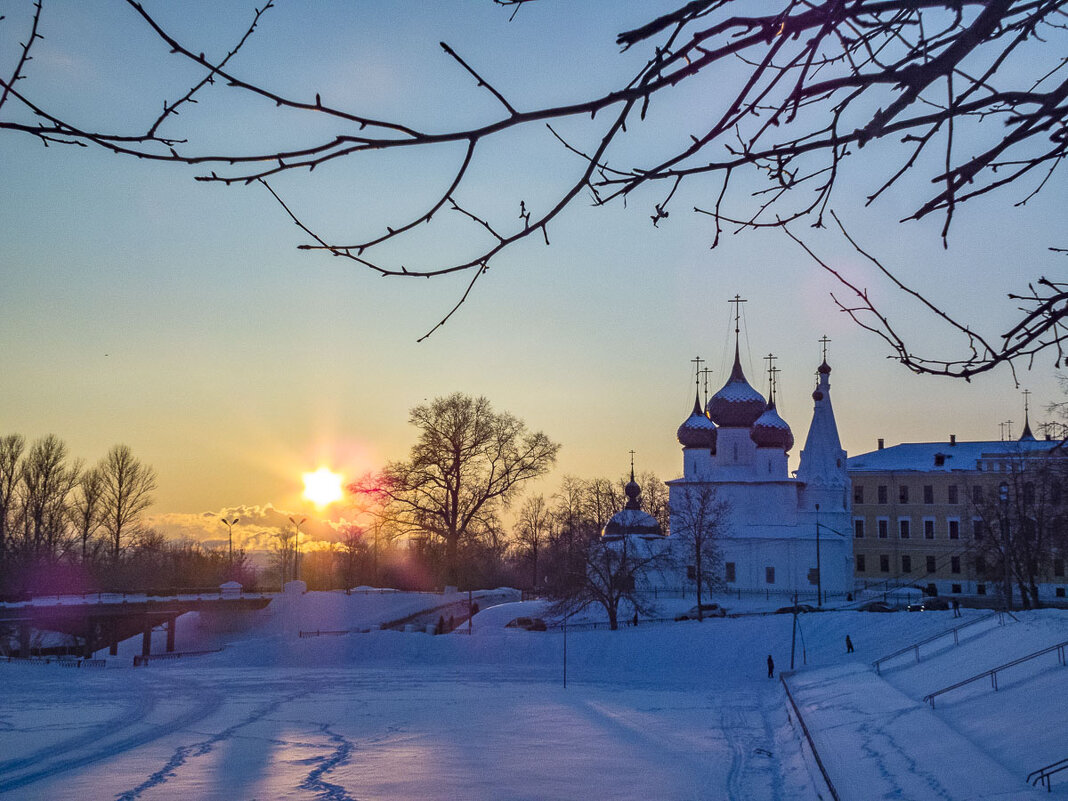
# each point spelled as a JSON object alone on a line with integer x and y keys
{"x": 208, "y": 701}
{"x": 184, "y": 753}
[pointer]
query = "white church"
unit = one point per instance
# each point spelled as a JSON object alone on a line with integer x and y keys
{"x": 778, "y": 525}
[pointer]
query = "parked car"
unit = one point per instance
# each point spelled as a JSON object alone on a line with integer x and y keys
{"x": 933, "y": 604}
{"x": 526, "y": 623}
{"x": 799, "y": 608}
{"x": 876, "y": 606}
{"x": 706, "y": 610}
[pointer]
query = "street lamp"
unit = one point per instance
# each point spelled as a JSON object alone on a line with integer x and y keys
{"x": 230, "y": 528}
{"x": 296, "y": 554}
{"x": 1003, "y": 496}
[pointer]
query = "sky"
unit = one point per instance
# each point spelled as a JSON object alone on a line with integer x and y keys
{"x": 140, "y": 306}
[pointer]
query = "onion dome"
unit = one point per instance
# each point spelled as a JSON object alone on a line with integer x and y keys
{"x": 631, "y": 519}
{"x": 771, "y": 431}
{"x": 697, "y": 431}
{"x": 737, "y": 404}
{"x": 824, "y": 369}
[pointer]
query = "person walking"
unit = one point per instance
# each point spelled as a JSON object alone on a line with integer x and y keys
{"x": 849, "y": 645}
{"x": 956, "y": 608}
{"x": 635, "y": 621}
{"x": 771, "y": 667}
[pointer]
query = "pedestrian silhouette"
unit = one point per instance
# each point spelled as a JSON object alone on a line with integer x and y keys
{"x": 771, "y": 667}
{"x": 849, "y": 645}
{"x": 635, "y": 623}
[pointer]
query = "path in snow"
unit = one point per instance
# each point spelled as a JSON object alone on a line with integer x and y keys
{"x": 403, "y": 734}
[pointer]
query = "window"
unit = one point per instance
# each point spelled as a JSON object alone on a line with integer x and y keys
{"x": 954, "y": 529}
{"x": 860, "y": 563}
{"x": 904, "y": 526}
{"x": 882, "y": 493}
{"x": 906, "y": 563}
{"x": 884, "y": 563}
{"x": 928, "y": 528}
{"x": 954, "y": 564}
{"x": 977, "y": 529}
{"x": 980, "y": 589}
{"x": 954, "y": 588}
{"x": 729, "y": 571}
{"x": 691, "y": 572}
{"x": 884, "y": 526}
{"x": 858, "y": 529}
{"x": 1058, "y": 567}
{"x": 858, "y": 493}
{"x": 952, "y": 494}
{"x": 932, "y": 590}
{"x": 931, "y": 564}
{"x": 977, "y": 493}
{"x": 980, "y": 565}
{"x": 769, "y": 575}
{"x": 903, "y": 494}
{"x": 1059, "y": 592}
{"x": 1029, "y": 492}
{"x": 928, "y": 493}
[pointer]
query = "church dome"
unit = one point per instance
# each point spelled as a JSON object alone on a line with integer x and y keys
{"x": 697, "y": 431}
{"x": 737, "y": 404}
{"x": 631, "y": 519}
{"x": 771, "y": 431}
{"x": 824, "y": 369}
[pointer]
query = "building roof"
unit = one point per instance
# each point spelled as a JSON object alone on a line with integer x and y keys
{"x": 943, "y": 457}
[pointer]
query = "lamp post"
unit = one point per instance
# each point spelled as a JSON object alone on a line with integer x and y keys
{"x": 296, "y": 551}
{"x": 819, "y": 576}
{"x": 1003, "y": 496}
{"x": 230, "y": 529}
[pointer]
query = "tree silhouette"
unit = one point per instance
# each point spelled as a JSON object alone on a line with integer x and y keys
{"x": 968, "y": 97}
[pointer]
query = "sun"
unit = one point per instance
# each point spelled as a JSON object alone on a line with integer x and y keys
{"x": 322, "y": 487}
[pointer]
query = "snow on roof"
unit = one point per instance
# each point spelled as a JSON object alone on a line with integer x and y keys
{"x": 923, "y": 456}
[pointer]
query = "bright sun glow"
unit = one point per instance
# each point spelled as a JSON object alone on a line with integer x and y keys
{"x": 322, "y": 487}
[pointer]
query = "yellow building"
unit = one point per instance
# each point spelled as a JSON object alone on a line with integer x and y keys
{"x": 921, "y": 511}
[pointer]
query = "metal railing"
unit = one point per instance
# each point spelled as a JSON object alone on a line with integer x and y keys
{"x": 1042, "y": 774}
{"x": 955, "y": 631}
{"x": 993, "y": 672}
{"x": 143, "y": 659}
{"x": 811, "y": 744}
{"x": 63, "y": 661}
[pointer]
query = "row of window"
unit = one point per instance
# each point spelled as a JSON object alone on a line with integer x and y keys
{"x": 904, "y": 528}
{"x": 882, "y": 493}
{"x": 931, "y": 564}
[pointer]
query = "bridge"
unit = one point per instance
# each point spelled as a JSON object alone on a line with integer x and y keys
{"x": 105, "y": 619}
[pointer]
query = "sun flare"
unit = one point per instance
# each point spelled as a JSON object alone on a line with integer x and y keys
{"x": 322, "y": 487}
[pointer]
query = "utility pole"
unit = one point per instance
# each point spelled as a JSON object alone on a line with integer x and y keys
{"x": 1003, "y": 496}
{"x": 819, "y": 576}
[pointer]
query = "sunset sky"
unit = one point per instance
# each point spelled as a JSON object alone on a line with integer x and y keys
{"x": 140, "y": 306}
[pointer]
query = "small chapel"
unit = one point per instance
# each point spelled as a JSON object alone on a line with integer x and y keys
{"x": 784, "y": 533}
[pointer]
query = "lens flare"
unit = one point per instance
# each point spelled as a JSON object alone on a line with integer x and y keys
{"x": 322, "y": 487}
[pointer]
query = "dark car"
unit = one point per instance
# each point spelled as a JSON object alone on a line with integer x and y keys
{"x": 934, "y": 604}
{"x": 526, "y": 623}
{"x": 799, "y": 608}
{"x": 876, "y": 606}
{"x": 707, "y": 610}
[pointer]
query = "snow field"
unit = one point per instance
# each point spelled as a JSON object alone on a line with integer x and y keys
{"x": 661, "y": 711}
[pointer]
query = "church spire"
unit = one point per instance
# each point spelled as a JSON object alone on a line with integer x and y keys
{"x": 1027, "y": 436}
{"x": 822, "y": 458}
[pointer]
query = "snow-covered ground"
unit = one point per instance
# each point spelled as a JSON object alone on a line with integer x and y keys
{"x": 662, "y": 711}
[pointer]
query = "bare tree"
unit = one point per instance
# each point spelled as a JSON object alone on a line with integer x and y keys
{"x": 128, "y": 485}
{"x": 11, "y": 447}
{"x": 533, "y": 531}
{"x": 699, "y": 519}
{"x": 1025, "y": 518}
{"x": 968, "y": 96}
{"x": 614, "y": 571}
{"x": 86, "y": 508}
{"x": 47, "y": 480}
{"x": 285, "y": 554}
{"x": 466, "y": 465}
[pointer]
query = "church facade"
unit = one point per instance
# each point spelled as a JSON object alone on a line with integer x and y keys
{"x": 782, "y": 533}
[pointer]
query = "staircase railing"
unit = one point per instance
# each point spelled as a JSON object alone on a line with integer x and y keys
{"x": 1042, "y": 774}
{"x": 955, "y": 631}
{"x": 993, "y": 672}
